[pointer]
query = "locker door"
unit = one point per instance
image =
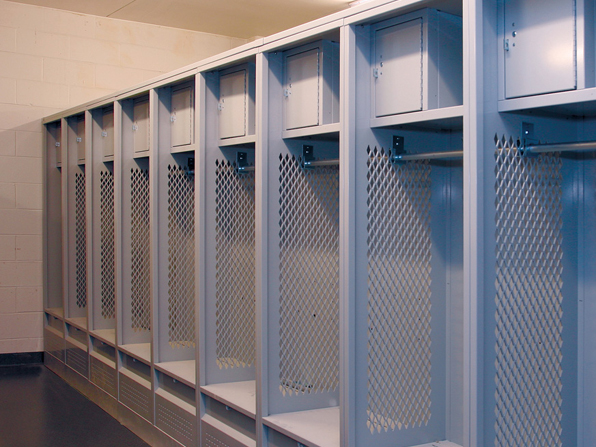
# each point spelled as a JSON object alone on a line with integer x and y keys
{"x": 80, "y": 137}
{"x": 107, "y": 133}
{"x": 302, "y": 89}
{"x": 398, "y": 68}
{"x": 182, "y": 117}
{"x": 539, "y": 47}
{"x": 141, "y": 125}
{"x": 232, "y": 104}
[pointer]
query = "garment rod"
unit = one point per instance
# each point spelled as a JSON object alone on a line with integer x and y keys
{"x": 560, "y": 147}
{"x": 429, "y": 156}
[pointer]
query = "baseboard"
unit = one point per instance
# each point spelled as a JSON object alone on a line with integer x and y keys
{"x": 21, "y": 358}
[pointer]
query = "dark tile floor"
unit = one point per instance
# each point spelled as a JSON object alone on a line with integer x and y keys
{"x": 39, "y": 409}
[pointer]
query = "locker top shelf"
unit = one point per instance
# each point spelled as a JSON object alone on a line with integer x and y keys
{"x": 184, "y": 371}
{"x": 575, "y": 103}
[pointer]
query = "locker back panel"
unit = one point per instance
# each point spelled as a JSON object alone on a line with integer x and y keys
{"x": 107, "y": 261}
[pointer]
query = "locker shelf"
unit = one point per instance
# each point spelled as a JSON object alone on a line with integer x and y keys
{"x": 324, "y": 130}
{"x": 57, "y": 312}
{"x": 140, "y": 351}
{"x": 79, "y": 322}
{"x": 445, "y": 118}
{"x": 184, "y": 371}
{"x": 576, "y": 102}
{"x": 106, "y": 335}
{"x": 238, "y": 141}
{"x": 314, "y": 428}
{"x": 239, "y": 395}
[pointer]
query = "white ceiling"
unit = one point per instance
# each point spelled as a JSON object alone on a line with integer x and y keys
{"x": 236, "y": 18}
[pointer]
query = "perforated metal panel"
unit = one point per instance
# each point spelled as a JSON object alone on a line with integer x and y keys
{"x": 399, "y": 293}
{"x": 140, "y": 250}
{"x": 529, "y": 311}
{"x": 235, "y": 266}
{"x": 181, "y": 257}
{"x": 174, "y": 421}
{"x": 77, "y": 360}
{"x": 104, "y": 377}
{"x": 136, "y": 397}
{"x": 80, "y": 240}
{"x": 211, "y": 441}
{"x": 108, "y": 308}
{"x": 309, "y": 278}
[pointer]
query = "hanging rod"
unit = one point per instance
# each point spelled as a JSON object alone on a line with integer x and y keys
{"x": 428, "y": 156}
{"x": 560, "y": 147}
{"x": 315, "y": 163}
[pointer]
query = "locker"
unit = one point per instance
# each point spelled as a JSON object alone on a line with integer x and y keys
{"x": 539, "y": 46}
{"x": 417, "y": 63}
{"x": 107, "y": 133}
{"x": 140, "y": 126}
{"x": 182, "y": 118}
{"x": 311, "y": 85}
{"x": 237, "y": 102}
{"x": 80, "y": 137}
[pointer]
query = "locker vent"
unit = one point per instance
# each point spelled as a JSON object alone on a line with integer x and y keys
{"x": 136, "y": 397}
{"x": 308, "y": 277}
{"x": 104, "y": 377}
{"x": 399, "y": 293}
{"x": 211, "y": 441}
{"x": 108, "y": 308}
{"x": 77, "y": 360}
{"x": 235, "y": 266}
{"x": 181, "y": 257}
{"x": 529, "y": 311}
{"x": 81, "y": 240}
{"x": 174, "y": 424}
{"x": 140, "y": 254}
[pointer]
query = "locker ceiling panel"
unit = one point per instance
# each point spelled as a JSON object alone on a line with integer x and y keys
{"x": 539, "y": 47}
{"x": 398, "y": 55}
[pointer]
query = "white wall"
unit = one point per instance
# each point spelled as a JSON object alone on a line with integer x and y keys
{"x": 51, "y": 60}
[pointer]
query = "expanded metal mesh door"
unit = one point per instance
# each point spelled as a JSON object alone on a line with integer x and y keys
{"x": 399, "y": 293}
{"x": 107, "y": 262}
{"x": 80, "y": 208}
{"x": 140, "y": 250}
{"x": 181, "y": 257}
{"x": 235, "y": 266}
{"x": 529, "y": 281}
{"x": 308, "y": 277}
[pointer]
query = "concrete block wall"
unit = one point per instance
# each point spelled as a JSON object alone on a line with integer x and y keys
{"x": 51, "y": 60}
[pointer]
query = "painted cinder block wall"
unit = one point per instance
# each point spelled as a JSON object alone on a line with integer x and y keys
{"x": 51, "y": 60}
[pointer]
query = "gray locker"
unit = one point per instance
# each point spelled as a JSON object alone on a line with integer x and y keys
{"x": 417, "y": 63}
{"x": 140, "y": 125}
{"x": 182, "y": 115}
{"x": 79, "y": 125}
{"x": 107, "y": 133}
{"x": 237, "y": 102}
{"x": 311, "y": 85}
{"x": 540, "y": 47}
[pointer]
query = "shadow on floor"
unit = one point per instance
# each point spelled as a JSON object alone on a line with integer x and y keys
{"x": 39, "y": 409}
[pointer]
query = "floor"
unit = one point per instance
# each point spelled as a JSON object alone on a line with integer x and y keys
{"x": 39, "y": 409}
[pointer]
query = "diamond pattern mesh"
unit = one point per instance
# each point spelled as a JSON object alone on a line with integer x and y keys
{"x": 140, "y": 250}
{"x": 399, "y": 293}
{"x": 80, "y": 240}
{"x": 106, "y": 205}
{"x": 308, "y": 277}
{"x": 235, "y": 266}
{"x": 181, "y": 257}
{"x": 529, "y": 299}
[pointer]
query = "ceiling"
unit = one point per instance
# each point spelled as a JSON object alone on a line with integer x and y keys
{"x": 237, "y": 18}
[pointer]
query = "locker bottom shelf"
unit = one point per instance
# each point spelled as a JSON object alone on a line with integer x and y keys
{"x": 316, "y": 428}
{"x": 240, "y": 396}
{"x": 184, "y": 371}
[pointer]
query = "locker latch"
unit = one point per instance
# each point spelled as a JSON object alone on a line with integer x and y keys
{"x": 104, "y": 134}
{"x": 287, "y": 92}
{"x": 506, "y": 44}
{"x": 308, "y": 155}
{"x": 57, "y": 144}
{"x": 398, "y": 148}
{"x": 241, "y": 162}
{"x": 79, "y": 139}
{"x": 135, "y": 127}
{"x": 173, "y": 118}
{"x": 375, "y": 73}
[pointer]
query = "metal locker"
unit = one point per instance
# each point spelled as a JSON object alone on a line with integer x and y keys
{"x": 107, "y": 132}
{"x": 182, "y": 118}
{"x": 311, "y": 85}
{"x": 540, "y": 47}
{"x": 140, "y": 125}
{"x": 80, "y": 137}
{"x": 233, "y": 103}
{"x": 416, "y": 63}
{"x": 398, "y": 57}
